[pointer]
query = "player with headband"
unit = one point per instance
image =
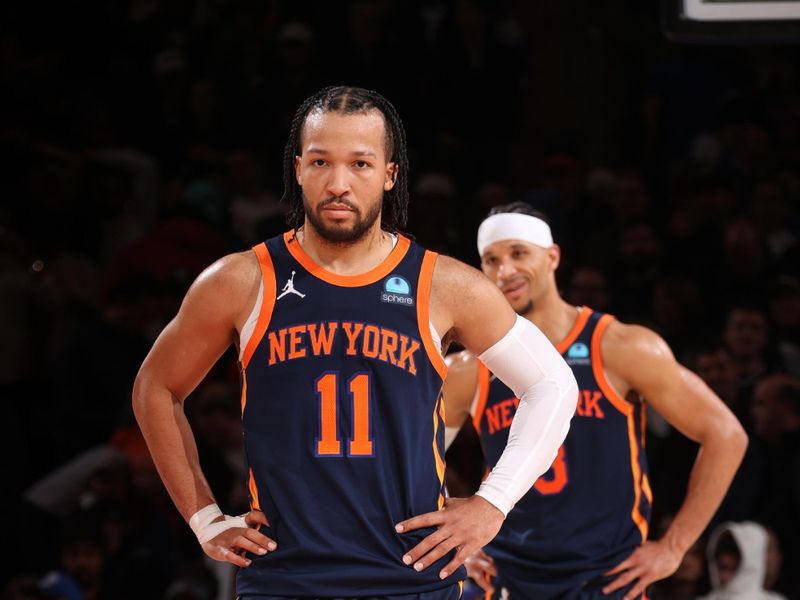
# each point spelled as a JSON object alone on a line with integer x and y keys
{"x": 581, "y": 531}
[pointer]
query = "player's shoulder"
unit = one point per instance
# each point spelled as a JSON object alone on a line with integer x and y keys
{"x": 229, "y": 285}
{"x": 231, "y": 271}
{"x": 628, "y": 344}
{"x": 458, "y": 280}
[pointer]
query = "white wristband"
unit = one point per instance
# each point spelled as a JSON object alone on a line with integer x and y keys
{"x": 204, "y": 526}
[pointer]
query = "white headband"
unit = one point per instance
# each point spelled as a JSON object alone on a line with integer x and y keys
{"x": 513, "y": 226}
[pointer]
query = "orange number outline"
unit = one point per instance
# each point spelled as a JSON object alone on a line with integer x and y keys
{"x": 548, "y": 487}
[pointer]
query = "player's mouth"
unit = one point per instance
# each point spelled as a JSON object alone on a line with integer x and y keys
{"x": 337, "y": 210}
{"x": 515, "y": 289}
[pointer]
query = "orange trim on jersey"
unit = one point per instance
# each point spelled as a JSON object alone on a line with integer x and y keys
{"x": 626, "y": 409}
{"x": 616, "y": 400}
{"x": 371, "y": 276}
{"x": 254, "y": 503}
{"x": 423, "y": 313}
{"x": 483, "y": 395}
{"x": 637, "y": 516}
{"x": 577, "y": 327}
{"x": 244, "y": 391}
{"x": 437, "y": 457}
{"x": 643, "y": 422}
{"x": 267, "y": 302}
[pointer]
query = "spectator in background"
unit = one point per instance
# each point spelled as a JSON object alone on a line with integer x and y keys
{"x": 776, "y": 426}
{"x": 784, "y": 310}
{"x": 746, "y": 334}
{"x": 737, "y": 563}
{"x": 588, "y": 286}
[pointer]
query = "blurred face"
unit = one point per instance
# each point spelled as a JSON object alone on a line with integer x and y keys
{"x": 83, "y": 560}
{"x": 774, "y": 560}
{"x": 716, "y": 369}
{"x": 746, "y": 332}
{"x": 343, "y": 171}
{"x": 522, "y": 271}
{"x": 727, "y": 565}
{"x": 588, "y": 286}
{"x": 764, "y": 410}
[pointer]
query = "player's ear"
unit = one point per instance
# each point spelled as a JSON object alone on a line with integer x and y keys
{"x": 554, "y": 256}
{"x": 392, "y": 169}
{"x": 297, "y": 175}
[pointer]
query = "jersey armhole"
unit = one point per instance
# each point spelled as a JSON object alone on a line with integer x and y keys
{"x": 599, "y": 371}
{"x": 265, "y": 302}
{"x": 423, "y": 314}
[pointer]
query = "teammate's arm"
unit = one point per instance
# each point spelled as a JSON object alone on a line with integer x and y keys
{"x": 181, "y": 356}
{"x": 473, "y": 311}
{"x": 640, "y": 359}
{"x": 458, "y": 391}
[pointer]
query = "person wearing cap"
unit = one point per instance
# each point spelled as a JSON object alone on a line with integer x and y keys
{"x": 581, "y": 531}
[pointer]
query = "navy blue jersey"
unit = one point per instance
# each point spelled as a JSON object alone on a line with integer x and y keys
{"x": 591, "y": 509}
{"x": 343, "y": 424}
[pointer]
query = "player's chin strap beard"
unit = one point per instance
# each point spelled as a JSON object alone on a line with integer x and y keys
{"x": 528, "y": 308}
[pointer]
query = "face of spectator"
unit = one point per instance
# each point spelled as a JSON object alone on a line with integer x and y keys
{"x": 523, "y": 271}
{"x": 343, "y": 171}
{"x": 83, "y": 561}
{"x": 691, "y": 567}
{"x": 638, "y": 246}
{"x": 588, "y": 286}
{"x": 746, "y": 332}
{"x": 727, "y": 565}
{"x": 774, "y": 560}
{"x": 717, "y": 370}
{"x": 765, "y": 412}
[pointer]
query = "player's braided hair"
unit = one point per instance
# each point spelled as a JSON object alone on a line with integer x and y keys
{"x": 348, "y": 100}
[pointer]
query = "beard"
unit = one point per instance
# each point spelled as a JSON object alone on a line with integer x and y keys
{"x": 525, "y": 309}
{"x": 341, "y": 233}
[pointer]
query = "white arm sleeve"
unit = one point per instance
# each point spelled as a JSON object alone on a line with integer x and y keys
{"x": 526, "y": 361}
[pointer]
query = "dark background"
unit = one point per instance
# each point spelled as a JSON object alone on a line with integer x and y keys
{"x": 142, "y": 139}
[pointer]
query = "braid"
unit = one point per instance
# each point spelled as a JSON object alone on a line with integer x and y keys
{"x": 349, "y": 100}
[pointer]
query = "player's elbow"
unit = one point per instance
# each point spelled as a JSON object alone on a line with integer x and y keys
{"x": 731, "y": 436}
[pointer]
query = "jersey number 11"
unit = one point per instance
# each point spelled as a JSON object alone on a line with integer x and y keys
{"x": 328, "y": 442}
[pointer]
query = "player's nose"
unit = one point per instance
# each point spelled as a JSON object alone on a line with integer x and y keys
{"x": 506, "y": 269}
{"x": 339, "y": 182}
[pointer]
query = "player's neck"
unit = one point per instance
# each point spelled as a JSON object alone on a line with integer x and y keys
{"x": 350, "y": 258}
{"x": 553, "y": 316}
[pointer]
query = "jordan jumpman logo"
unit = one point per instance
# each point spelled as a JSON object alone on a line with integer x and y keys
{"x": 289, "y": 289}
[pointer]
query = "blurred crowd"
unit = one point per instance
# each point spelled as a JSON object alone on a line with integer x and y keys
{"x": 142, "y": 139}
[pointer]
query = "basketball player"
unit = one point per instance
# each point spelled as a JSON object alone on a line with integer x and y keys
{"x": 581, "y": 531}
{"x": 340, "y": 325}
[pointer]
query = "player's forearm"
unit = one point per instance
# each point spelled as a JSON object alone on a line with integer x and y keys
{"x": 548, "y": 393}
{"x": 717, "y": 461}
{"x": 171, "y": 442}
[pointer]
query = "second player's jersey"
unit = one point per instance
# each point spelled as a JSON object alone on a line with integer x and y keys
{"x": 591, "y": 509}
{"x": 343, "y": 424}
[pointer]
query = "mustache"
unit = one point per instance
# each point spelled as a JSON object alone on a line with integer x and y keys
{"x": 335, "y": 200}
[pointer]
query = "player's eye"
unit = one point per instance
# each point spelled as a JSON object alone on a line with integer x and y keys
{"x": 361, "y": 164}
{"x": 319, "y": 163}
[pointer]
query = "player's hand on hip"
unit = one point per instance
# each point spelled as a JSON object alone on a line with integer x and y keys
{"x": 650, "y": 562}
{"x": 464, "y": 524}
{"x": 481, "y": 569}
{"x": 231, "y": 544}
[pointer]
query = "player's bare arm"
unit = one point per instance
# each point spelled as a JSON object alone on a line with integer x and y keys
{"x": 459, "y": 387}
{"x": 637, "y": 359}
{"x": 472, "y": 311}
{"x": 212, "y": 312}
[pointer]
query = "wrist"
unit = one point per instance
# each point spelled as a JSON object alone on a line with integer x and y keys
{"x": 494, "y": 500}
{"x": 676, "y": 540}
